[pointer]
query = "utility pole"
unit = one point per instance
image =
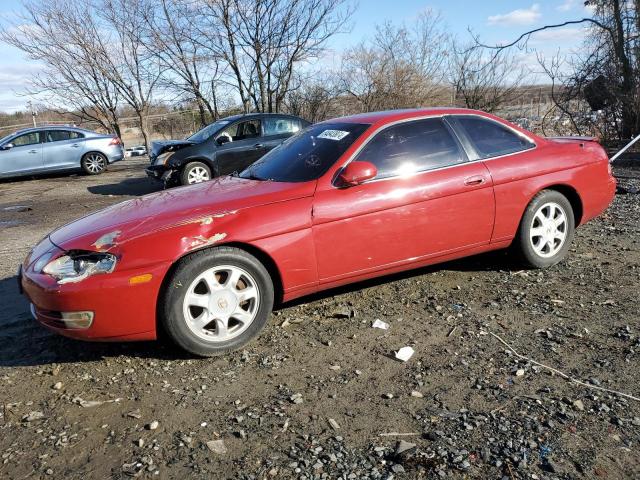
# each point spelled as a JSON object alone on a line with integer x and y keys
{"x": 33, "y": 113}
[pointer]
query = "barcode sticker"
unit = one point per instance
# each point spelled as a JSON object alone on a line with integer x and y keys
{"x": 333, "y": 134}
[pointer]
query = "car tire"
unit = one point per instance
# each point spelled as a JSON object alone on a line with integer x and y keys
{"x": 546, "y": 230}
{"x": 195, "y": 172}
{"x": 94, "y": 163}
{"x": 206, "y": 315}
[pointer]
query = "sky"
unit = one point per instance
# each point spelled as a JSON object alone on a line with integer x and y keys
{"x": 495, "y": 21}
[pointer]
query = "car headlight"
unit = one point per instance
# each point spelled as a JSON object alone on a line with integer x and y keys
{"x": 76, "y": 266}
{"x": 163, "y": 158}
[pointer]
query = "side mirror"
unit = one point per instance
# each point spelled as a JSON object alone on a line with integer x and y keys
{"x": 222, "y": 139}
{"x": 357, "y": 172}
{"x": 7, "y": 146}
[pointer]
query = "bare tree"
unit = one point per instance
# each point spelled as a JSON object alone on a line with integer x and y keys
{"x": 608, "y": 74}
{"x": 314, "y": 97}
{"x": 190, "y": 69}
{"x": 484, "y": 82}
{"x": 125, "y": 59}
{"x": 264, "y": 41}
{"x": 401, "y": 67}
{"x": 64, "y": 36}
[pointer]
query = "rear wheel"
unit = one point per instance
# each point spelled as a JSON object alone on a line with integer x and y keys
{"x": 546, "y": 230}
{"x": 195, "y": 172}
{"x": 216, "y": 301}
{"x": 94, "y": 163}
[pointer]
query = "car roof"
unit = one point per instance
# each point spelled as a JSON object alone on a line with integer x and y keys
{"x": 388, "y": 116}
{"x": 53, "y": 127}
{"x": 249, "y": 116}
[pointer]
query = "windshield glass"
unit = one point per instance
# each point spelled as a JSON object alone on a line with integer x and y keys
{"x": 307, "y": 155}
{"x": 202, "y": 135}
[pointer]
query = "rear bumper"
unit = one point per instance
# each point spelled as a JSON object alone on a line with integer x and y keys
{"x": 114, "y": 154}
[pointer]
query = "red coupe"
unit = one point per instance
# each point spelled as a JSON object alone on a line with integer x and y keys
{"x": 342, "y": 201}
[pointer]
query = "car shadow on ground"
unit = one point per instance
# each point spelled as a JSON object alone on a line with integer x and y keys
{"x": 499, "y": 260}
{"x": 23, "y": 342}
{"x": 128, "y": 187}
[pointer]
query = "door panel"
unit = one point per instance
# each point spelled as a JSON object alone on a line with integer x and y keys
{"x": 24, "y": 157}
{"x": 237, "y": 155}
{"x": 60, "y": 152}
{"x": 402, "y": 219}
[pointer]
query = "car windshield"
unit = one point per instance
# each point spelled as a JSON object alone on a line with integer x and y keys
{"x": 307, "y": 155}
{"x": 203, "y": 134}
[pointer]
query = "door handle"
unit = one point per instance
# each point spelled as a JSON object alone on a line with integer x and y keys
{"x": 258, "y": 145}
{"x": 475, "y": 180}
{"x": 75, "y": 145}
{"x": 33, "y": 151}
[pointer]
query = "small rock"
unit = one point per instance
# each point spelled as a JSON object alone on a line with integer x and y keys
{"x": 217, "y": 446}
{"x": 57, "y": 386}
{"x": 520, "y": 372}
{"x": 153, "y": 425}
{"x": 578, "y": 405}
{"x": 296, "y": 398}
{"x": 404, "y": 446}
{"x": 334, "y": 424}
{"x": 33, "y": 416}
{"x": 417, "y": 394}
{"x": 140, "y": 443}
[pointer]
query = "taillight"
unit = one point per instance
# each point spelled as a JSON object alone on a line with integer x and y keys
{"x": 115, "y": 141}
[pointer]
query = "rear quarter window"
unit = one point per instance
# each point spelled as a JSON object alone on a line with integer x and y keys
{"x": 491, "y": 138}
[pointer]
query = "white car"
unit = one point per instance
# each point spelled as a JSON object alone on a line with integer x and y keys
{"x": 136, "y": 151}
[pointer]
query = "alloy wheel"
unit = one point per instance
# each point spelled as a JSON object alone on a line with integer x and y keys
{"x": 221, "y": 303}
{"x": 95, "y": 163}
{"x": 548, "y": 230}
{"x": 197, "y": 175}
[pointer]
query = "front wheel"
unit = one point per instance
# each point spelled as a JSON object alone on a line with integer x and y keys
{"x": 195, "y": 172}
{"x": 94, "y": 163}
{"x": 216, "y": 301}
{"x": 546, "y": 230}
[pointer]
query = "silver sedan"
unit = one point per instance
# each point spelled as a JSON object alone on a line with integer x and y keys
{"x": 56, "y": 148}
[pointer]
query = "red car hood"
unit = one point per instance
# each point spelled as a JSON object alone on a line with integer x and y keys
{"x": 137, "y": 217}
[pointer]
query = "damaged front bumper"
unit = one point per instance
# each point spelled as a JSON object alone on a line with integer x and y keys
{"x": 161, "y": 173}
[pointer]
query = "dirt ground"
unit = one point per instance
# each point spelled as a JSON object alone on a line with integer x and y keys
{"x": 319, "y": 394}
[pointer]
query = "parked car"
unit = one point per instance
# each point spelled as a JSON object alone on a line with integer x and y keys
{"x": 342, "y": 201}
{"x": 228, "y": 145}
{"x": 54, "y": 148}
{"x": 138, "y": 151}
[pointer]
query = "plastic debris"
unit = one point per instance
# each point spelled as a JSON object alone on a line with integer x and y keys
{"x": 380, "y": 324}
{"x": 405, "y": 353}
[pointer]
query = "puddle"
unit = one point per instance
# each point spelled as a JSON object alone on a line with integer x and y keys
{"x": 17, "y": 208}
{"x": 10, "y": 223}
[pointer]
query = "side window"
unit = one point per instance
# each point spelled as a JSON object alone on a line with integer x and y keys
{"x": 249, "y": 129}
{"x": 490, "y": 138}
{"x": 58, "y": 135}
{"x": 242, "y": 130}
{"x": 27, "y": 139}
{"x": 280, "y": 126}
{"x": 412, "y": 147}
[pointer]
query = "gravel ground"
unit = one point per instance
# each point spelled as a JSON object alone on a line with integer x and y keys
{"x": 319, "y": 394}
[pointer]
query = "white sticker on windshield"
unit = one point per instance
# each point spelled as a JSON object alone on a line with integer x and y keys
{"x": 333, "y": 134}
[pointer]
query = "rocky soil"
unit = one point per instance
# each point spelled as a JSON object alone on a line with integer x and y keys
{"x": 320, "y": 394}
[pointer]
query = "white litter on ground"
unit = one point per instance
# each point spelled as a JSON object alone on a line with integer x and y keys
{"x": 380, "y": 324}
{"x": 405, "y": 353}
